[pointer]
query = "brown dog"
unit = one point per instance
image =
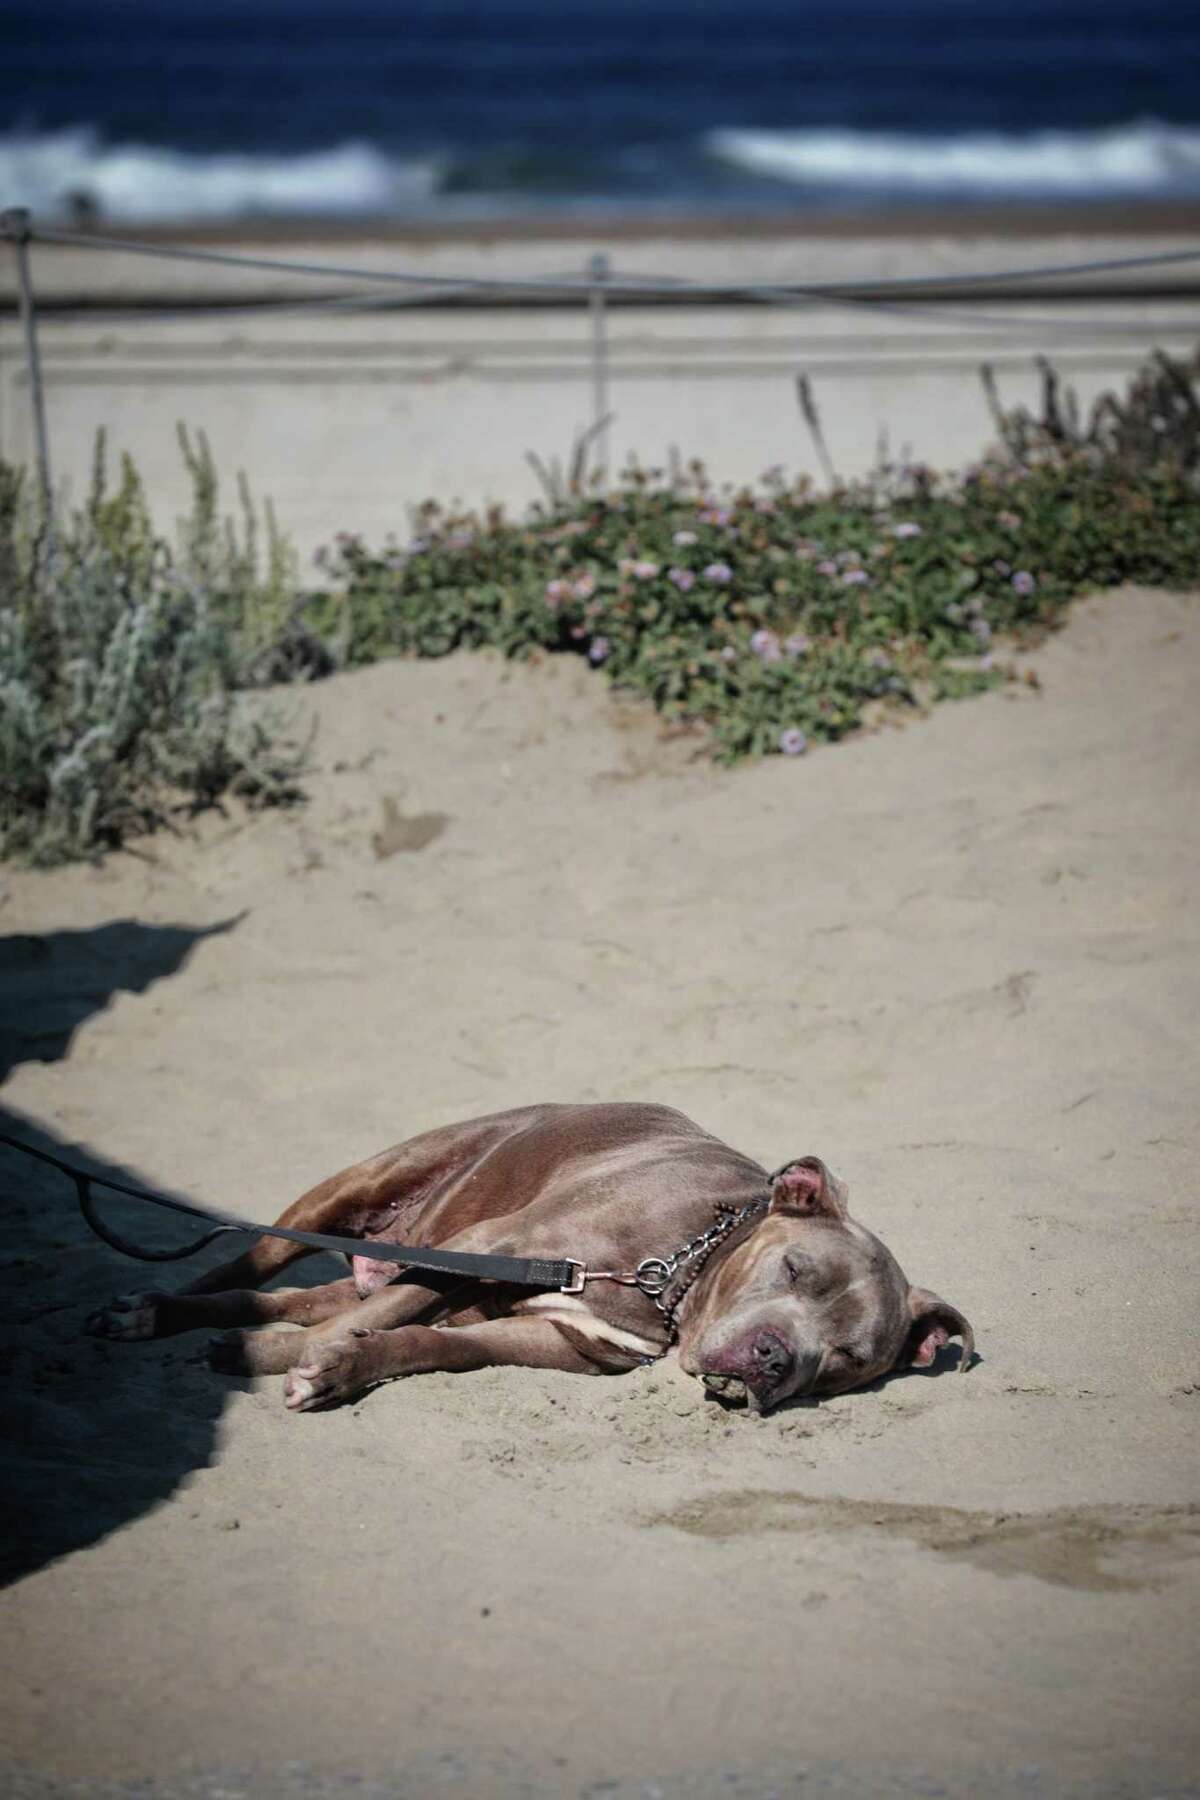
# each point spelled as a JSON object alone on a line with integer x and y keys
{"x": 792, "y": 1298}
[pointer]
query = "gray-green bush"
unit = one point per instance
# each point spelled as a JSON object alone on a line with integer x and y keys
{"x": 121, "y": 657}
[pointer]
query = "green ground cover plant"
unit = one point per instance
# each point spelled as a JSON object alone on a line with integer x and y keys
{"x": 771, "y": 615}
{"x": 766, "y": 617}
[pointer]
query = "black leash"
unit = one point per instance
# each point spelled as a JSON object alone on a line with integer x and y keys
{"x": 567, "y": 1273}
{"x": 653, "y": 1275}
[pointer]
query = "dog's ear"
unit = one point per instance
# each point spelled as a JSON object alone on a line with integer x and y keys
{"x": 934, "y": 1323}
{"x": 806, "y": 1187}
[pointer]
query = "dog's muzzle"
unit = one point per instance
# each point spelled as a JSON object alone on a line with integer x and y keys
{"x": 753, "y": 1371}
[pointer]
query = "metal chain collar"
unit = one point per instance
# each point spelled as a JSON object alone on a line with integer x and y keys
{"x": 654, "y": 1275}
{"x": 698, "y": 1253}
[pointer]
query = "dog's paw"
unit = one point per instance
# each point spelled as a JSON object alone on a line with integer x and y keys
{"x": 131, "y": 1317}
{"x": 329, "y": 1374}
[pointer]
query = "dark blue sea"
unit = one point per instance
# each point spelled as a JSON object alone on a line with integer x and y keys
{"x": 140, "y": 111}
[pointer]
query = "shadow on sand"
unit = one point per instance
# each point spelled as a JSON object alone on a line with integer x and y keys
{"x": 94, "y": 1434}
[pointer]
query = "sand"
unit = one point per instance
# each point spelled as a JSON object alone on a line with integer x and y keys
{"x": 958, "y": 960}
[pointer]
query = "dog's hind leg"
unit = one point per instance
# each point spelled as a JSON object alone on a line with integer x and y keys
{"x": 360, "y": 1199}
{"x": 336, "y": 1206}
{"x": 128, "y": 1316}
{"x": 274, "y": 1352}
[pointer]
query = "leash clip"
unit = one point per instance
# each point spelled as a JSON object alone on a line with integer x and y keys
{"x": 652, "y": 1276}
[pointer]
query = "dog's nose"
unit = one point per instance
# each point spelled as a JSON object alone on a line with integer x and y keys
{"x": 771, "y": 1355}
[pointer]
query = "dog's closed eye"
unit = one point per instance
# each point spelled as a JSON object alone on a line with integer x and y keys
{"x": 808, "y": 1273}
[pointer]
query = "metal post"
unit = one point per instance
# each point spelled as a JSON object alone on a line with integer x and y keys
{"x": 16, "y": 226}
{"x": 598, "y": 271}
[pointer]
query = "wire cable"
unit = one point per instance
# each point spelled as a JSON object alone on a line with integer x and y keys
{"x": 612, "y": 287}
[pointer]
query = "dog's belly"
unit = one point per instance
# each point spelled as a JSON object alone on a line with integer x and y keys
{"x": 370, "y": 1274}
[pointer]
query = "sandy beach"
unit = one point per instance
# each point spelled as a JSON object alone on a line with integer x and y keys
{"x": 958, "y": 960}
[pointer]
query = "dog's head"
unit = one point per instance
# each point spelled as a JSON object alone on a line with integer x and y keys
{"x": 809, "y": 1303}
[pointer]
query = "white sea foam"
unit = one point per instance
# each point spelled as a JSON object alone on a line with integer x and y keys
{"x": 56, "y": 173}
{"x": 64, "y": 173}
{"x": 1143, "y": 159}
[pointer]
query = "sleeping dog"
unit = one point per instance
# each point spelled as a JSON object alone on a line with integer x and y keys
{"x": 766, "y": 1284}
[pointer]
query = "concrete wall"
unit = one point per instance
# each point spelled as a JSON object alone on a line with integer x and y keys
{"x": 348, "y": 420}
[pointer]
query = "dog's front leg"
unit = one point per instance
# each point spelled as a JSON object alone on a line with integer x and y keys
{"x": 274, "y": 1352}
{"x": 342, "y": 1367}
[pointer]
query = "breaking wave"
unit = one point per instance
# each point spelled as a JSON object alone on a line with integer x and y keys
{"x": 72, "y": 172}
{"x": 75, "y": 174}
{"x": 1145, "y": 159}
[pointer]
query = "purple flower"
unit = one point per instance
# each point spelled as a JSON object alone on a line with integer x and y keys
{"x": 600, "y": 648}
{"x": 684, "y": 538}
{"x": 1023, "y": 582}
{"x": 796, "y": 645}
{"x": 793, "y": 741}
{"x": 585, "y": 587}
{"x": 684, "y": 579}
{"x": 982, "y": 630}
{"x": 719, "y": 572}
{"x": 715, "y": 515}
{"x": 855, "y": 577}
{"x": 557, "y": 592}
{"x": 766, "y": 645}
{"x": 907, "y": 530}
{"x": 645, "y": 571}
{"x": 827, "y": 568}
{"x": 986, "y": 660}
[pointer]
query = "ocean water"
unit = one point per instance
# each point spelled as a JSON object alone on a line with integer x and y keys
{"x": 143, "y": 111}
